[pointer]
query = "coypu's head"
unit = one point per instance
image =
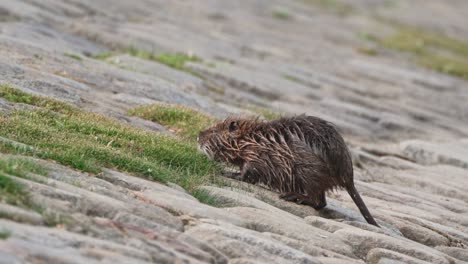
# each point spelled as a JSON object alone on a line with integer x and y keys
{"x": 221, "y": 141}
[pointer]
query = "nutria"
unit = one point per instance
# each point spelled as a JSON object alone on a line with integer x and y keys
{"x": 302, "y": 157}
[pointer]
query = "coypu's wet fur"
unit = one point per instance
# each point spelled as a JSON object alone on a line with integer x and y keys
{"x": 302, "y": 157}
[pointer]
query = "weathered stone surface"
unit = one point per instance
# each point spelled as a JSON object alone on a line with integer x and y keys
{"x": 308, "y": 248}
{"x": 452, "y": 153}
{"x": 243, "y": 194}
{"x": 363, "y": 241}
{"x": 294, "y": 227}
{"x": 55, "y": 245}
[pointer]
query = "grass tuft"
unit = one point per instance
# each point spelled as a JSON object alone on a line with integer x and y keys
{"x": 4, "y": 234}
{"x": 20, "y": 167}
{"x": 12, "y": 192}
{"x": 180, "y": 119}
{"x": 89, "y": 141}
{"x": 103, "y": 55}
{"x": 17, "y": 96}
{"x": 73, "y": 56}
{"x": 432, "y": 50}
{"x": 334, "y": 6}
{"x": 205, "y": 197}
{"x": 281, "y": 14}
{"x": 173, "y": 60}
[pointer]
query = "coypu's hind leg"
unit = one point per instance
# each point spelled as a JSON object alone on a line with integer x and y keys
{"x": 322, "y": 202}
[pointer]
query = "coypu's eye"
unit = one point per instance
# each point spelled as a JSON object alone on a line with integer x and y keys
{"x": 233, "y": 126}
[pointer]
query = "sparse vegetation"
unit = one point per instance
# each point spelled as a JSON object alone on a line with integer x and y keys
{"x": 17, "y": 96}
{"x": 73, "y": 56}
{"x": 205, "y": 197}
{"x": 184, "y": 121}
{"x": 367, "y": 51}
{"x": 4, "y": 234}
{"x": 103, "y": 55}
{"x": 281, "y": 13}
{"x": 431, "y": 50}
{"x": 12, "y": 192}
{"x": 335, "y": 6}
{"x": 20, "y": 166}
{"x": 173, "y": 60}
{"x": 88, "y": 141}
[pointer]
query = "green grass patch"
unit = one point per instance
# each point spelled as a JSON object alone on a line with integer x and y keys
{"x": 173, "y": 60}
{"x": 17, "y": 96}
{"x": 282, "y": 14}
{"x": 73, "y": 56}
{"x": 184, "y": 121}
{"x": 334, "y": 6}
{"x": 12, "y": 192}
{"x": 4, "y": 234}
{"x": 432, "y": 50}
{"x": 205, "y": 197}
{"x": 89, "y": 141}
{"x": 20, "y": 166}
{"x": 103, "y": 55}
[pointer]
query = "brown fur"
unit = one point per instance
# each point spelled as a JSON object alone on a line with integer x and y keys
{"x": 302, "y": 157}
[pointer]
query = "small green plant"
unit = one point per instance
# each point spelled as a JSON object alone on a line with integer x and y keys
{"x": 17, "y": 96}
{"x": 10, "y": 191}
{"x": 4, "y": 234}
{"x": 281, "y": 14}
{"x": 54, "y": 219}
{"x": 173, "y": 60}
{"x": 20, "y": 166}
{"x": 177, "y": 60}
{"x": 73, "y": 56}
{"x": 205, "y": 197}
{"x": 89, "y": 141}
{"x": 184, "y": 121}
{"x": 103, "y": 55}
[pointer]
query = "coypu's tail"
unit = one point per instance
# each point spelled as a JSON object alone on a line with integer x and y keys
{"x": 360, "y": 204}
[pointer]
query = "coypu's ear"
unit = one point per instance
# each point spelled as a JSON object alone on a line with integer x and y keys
{"x": 233, "y": 126}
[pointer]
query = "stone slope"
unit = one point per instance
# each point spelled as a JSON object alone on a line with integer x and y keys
{"x": 407, "y": 127}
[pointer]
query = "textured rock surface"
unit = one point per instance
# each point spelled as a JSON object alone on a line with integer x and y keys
{"x": 407, "y": 128}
